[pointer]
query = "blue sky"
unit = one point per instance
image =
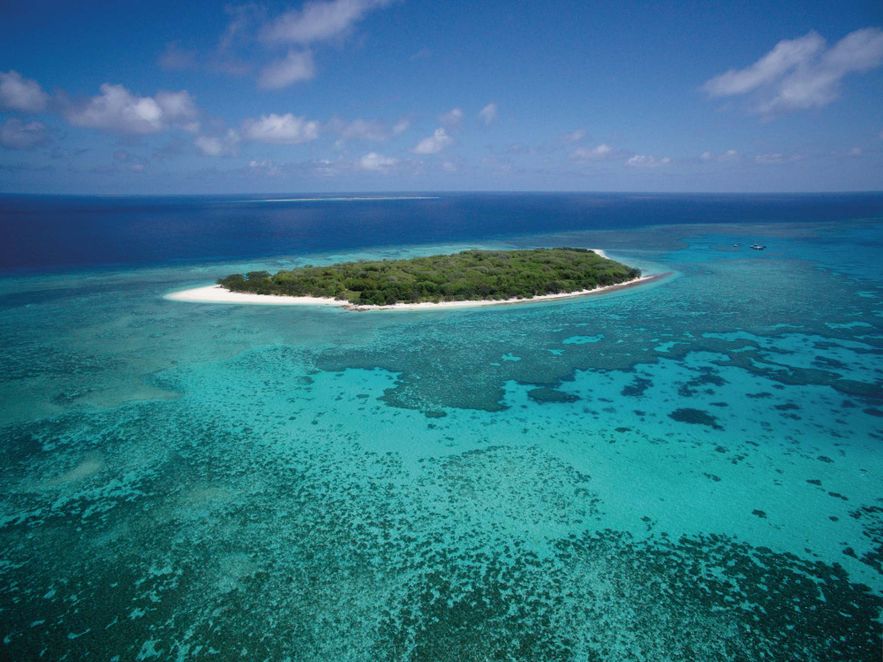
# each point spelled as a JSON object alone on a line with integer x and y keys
{"x": 410, "y": 95}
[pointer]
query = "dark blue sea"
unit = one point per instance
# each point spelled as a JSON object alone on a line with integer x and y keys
{"x": 690, "y": 469}
{"x": 43, "y": 233}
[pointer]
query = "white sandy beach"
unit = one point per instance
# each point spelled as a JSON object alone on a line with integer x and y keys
{"x": 218, "y": 294}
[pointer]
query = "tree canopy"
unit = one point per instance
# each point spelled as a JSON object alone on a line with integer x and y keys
{"x": 466, "y": 276}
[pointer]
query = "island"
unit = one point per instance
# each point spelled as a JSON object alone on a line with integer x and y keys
{"x": 472, "y": 276}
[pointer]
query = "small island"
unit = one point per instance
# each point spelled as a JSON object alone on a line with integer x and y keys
{"x": 470, "y": 276}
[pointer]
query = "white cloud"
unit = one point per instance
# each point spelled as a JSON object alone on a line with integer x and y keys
{"x": 280, "y": 129}
{"x": 375, "y": 162}
{"x": 15, "y": 134}
{"x": 176, "y": 106}
{"x": 319, "y": 21}
{"x": 592, "y": 153}
{"x": 786, "y": 55}
{"x": 801, "y": 73}
{"x": 434, "y": 143}
{"x": 209, "y": 145}
{"x": 575, "y": 136}
{"x": 855, "y": 151}
{"x": 17, "y": 93}
{"x": 218, "y": 145}
{"x": 451, "y": 118}
{"x": 488, "y": 114}
{"x": 646, "y": 161}
{"x": 449, "y": 166}
{"x": 117, "y": 109}
{"x": 404, "y": 124}
{"x": 295, "y": 67}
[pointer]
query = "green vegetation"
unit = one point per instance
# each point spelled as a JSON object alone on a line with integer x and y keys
{"x": 466, "y": 276}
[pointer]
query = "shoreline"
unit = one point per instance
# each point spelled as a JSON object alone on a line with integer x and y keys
{"x": 218, "y": 294}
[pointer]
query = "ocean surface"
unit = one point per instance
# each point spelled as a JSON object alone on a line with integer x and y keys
{"x": 688, "y": 470}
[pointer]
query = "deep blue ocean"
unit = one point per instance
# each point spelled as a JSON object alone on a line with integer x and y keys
{"x": 686, "y": 470}
{"x": 57, "y": 232}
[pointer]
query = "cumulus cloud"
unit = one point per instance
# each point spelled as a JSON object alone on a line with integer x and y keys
{"x": 118, "y": 110}
{"x": 801, "y": 73}
{"x": 176, "y": 106}
{"x": 295, "y": 67}
{"x": 318, "y": 21}
{"x": 300, "y": 30}
{"x": 375, "y": 162}
{"x": 280, "y": 129}
{"x": 434, "y": 143}
{"x": 592, "y": 153}
{"x": 647, "y": 161}
{"x": 451, "y": 118}
{"x": 488, "y": 114}
{"x": 17, "y": 93}
{"x": 218, "y": 145}
{"x": 15, "y": 134}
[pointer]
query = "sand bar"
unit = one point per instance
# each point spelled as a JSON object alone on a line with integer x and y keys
{"x": 218, "y": 294}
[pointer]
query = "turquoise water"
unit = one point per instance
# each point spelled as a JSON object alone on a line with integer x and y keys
{"x": 686, "y": 470}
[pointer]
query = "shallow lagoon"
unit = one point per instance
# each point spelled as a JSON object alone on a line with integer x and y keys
{"x": 686, "y": 470}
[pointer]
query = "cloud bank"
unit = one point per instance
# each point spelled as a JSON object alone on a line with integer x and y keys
{"x": 17, "y": 93}
{"x": 374, "y": 162}
{"x": 318, "y": 21}
{"x": 434, "y": 143}
{"x": 280, "y": 129}
{"x": 488, "y": 114}
{"x": 118, "y": 110}
{"x": 295, "y": 67}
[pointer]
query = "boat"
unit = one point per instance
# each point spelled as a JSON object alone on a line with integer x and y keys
{"x": 758, "y": 247}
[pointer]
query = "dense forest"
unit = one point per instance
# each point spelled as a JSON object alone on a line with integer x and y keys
{"x": 470, "y": 275}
